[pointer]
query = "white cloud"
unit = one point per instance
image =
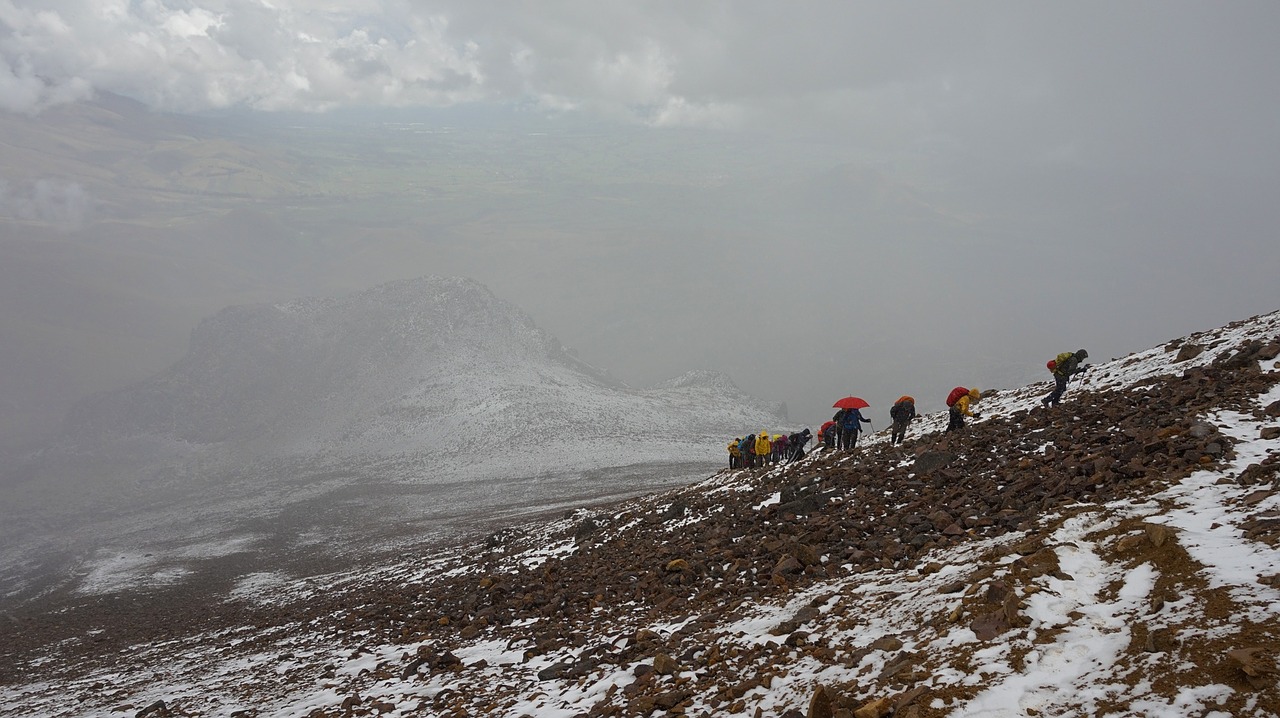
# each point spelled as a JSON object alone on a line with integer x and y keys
{"x": 663, "y": 65}
{"x": 63, "y": 205}
{"x": 888, "y": 73}
{"x": 195, "y": 23}
{"x": 679, "y": 112}
{"x": 633, "y": 77}
{"x": 282, "y": 56}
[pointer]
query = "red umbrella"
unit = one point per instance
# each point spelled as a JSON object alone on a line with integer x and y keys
{"x": 851, "y": 402}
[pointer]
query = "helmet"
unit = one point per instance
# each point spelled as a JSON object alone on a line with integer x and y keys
{"x": 1082, "y": 354}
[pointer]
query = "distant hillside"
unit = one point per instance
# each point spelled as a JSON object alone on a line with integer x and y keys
{"x": 434, "y": 374}
{"x": 414, "y": 408}
{"x": 390, "y": 413}
{"x": 123, "y": 153}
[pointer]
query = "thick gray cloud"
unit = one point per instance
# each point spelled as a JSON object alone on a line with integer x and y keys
{"x": 960, "y": 188}
{"x": 1067, "y": 81}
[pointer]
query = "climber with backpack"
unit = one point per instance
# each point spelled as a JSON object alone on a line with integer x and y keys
{"x": 827, "y": 434}
{"x": 764, "y": 448}
{"x": 795, "y": 445}
{"x": 959, "y": 400}
{"x": 850, "y": 423}
{"x": 1064, "y": 366}
{"x": 747, "y": 451}
{"x": 901, "y": 413}
{"x": 779, "y": 448}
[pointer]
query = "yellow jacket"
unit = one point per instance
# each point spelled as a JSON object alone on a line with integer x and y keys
{"x": 733, "y": 449}
{"x": 962, "y": 405}
{"x": 763, "y": 447}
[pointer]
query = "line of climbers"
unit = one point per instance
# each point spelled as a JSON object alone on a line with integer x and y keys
{"x": 754, "y": 452}
{"x": 843, "y": 429}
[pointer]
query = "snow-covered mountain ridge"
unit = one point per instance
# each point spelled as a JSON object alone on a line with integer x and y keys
{"x": 1117, "y": 556}
{"x": 418, "y": 372}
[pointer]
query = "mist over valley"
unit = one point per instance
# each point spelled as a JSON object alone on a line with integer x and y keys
{"x": 339, "y": 425}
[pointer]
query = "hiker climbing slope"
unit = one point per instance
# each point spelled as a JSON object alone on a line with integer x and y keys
{"x": 959, "y": 400}
{"x": 902, "y": 412}
{"x": 779, "y": 448}
{"x": 747, "y": 451}
{"x": 827, "y": 434}
{"x": 764, "y": 448}
{"x": 795, "y": 445}
{"x": 850, "y": 427}
{"x": 1065, "y": 365}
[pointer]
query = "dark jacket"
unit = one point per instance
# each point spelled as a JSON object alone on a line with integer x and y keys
{"x": 902, "y": 412}
{"x": 852, "y": 419}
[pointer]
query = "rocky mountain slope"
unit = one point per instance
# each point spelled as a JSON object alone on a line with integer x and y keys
{"x": 1118, "y": 555}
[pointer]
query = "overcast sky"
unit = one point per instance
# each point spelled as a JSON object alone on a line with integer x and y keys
{"x": 1006, "y": 180}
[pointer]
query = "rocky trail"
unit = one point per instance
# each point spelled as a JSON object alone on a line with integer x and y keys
{"x": 985, "y": 572}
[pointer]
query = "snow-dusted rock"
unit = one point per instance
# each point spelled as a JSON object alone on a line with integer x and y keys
{"x": 1108, "y": 560}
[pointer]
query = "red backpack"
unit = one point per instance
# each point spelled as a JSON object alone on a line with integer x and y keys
{"x": 955, "y": 395}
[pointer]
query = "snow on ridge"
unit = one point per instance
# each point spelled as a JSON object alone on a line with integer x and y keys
{"x": 700, "y": 378}
{"x": 1122, "y": 373}
{"x": 391, "y": 361}
{"x": 430, "y": 379}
